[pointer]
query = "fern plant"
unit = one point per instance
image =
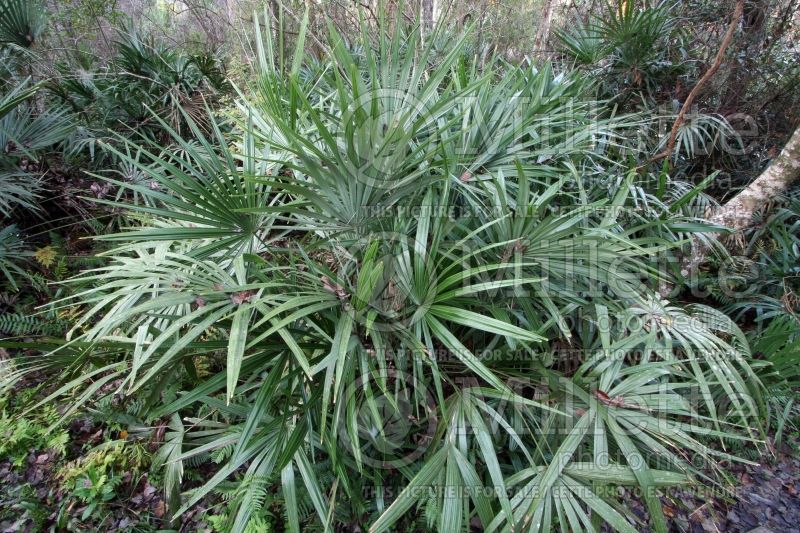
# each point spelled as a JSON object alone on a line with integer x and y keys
{"x": 19, "y": 325}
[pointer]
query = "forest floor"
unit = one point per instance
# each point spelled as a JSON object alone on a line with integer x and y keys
{"x": 767, "y": 499}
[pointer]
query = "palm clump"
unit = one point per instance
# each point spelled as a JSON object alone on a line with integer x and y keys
{"x": 380, "y": 267}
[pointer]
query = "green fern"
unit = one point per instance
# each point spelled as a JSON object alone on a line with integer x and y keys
{"x": 17, "y": 325}
{"x": 779, "y": 344}
{"x": 222, "y": 454}
{"x": 256, "y": 490}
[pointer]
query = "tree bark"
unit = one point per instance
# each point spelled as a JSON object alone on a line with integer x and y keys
{"x": 427, "y": 16}
{"x": 543, "y": 33}
{"x": 738, "y": 213}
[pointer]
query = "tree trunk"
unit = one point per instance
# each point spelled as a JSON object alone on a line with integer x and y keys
{"x": 738, "y": 213}
{"x": 543, "y": 33}
{"x": 427, "y": 16}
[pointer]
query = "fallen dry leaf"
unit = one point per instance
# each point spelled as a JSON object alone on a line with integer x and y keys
{"x": 159, "y": 509}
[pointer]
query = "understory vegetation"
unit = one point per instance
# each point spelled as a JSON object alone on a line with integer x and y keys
{"x": 360, "y": 269}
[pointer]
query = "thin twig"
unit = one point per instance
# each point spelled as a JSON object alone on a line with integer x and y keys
{"x": 726, "y": 41}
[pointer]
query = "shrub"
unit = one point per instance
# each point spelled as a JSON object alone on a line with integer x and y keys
{"x": 405, "y": 292}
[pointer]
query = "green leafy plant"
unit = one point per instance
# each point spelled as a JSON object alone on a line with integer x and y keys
{"x": 12, "y": 253}
{"x": 20, "y": 434}
{"x": 22, "y": 135}
{"x": 16, "y": 96}
{"x": 763, "y": 281}
{"x": 629, "y": 47}
{"x": 21, "y": 22}
{"x": 16, "y": 324}
{"x": 415, "y": 277}
{"x": 94, "y": 489}
{"x": 144, "y": 77}
{"x": 778, "y": 349}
